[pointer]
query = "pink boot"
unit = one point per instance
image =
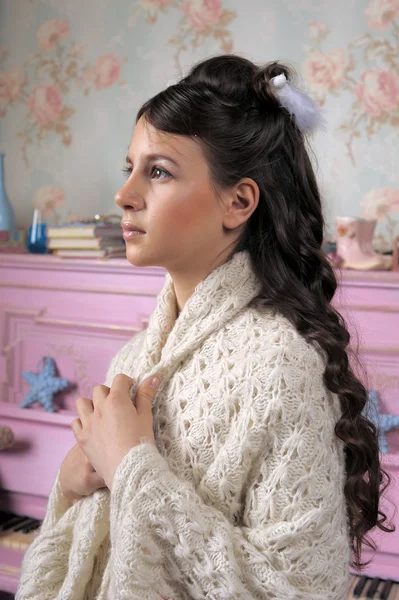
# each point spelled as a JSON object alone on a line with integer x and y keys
{"x": 369, "y": 227}
{"x": 354, "y": 244}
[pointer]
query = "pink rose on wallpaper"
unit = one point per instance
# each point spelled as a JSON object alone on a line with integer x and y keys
{"x": 48, "y": 198}
{"x": 381, "y": 13}
{"x": 325, "y": 71}
{"x": 378, "y": 90}
{"x": 52, "y": 31}
{"x": 202, "y": 13}
{"x": 76, "y": 50}
{"x": 10, "y": 84}
{"x": 105, "y": 72}
{"x": 45, "y": 103}
{"x": 379, "y": 202}
{"x": 318, "y": 30}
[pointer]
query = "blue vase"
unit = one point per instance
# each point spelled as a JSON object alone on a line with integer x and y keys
{"x": 36, "y": 240}
{"x": 7, "y": 216}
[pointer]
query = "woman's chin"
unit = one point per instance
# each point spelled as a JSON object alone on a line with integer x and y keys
{"x": 137, "y": 257}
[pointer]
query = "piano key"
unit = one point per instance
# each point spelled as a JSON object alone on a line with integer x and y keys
{"x": 11, "y": 523}
{"x": 34, "y": 525}
{"x": 17, "y": 531}
{"x": 353, "y": 579}
{"x": 386, "y": 588}
{"x": 18, "y": 541}
{"x": 375, "y": 582}
{"x": 4, "y": 516}
{"x": 360, "y": 586}
{"x": 24, "y": 523}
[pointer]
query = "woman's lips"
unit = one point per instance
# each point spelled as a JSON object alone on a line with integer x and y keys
{"x": 130, "y": 231}
{"x": 128, "y": 235}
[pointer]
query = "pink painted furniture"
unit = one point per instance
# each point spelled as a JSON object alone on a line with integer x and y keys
{"x": 81, "y": 312}
{"x": 369, "y": 301}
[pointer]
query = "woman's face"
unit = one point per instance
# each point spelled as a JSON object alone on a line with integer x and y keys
{"x": 169, "y": 195}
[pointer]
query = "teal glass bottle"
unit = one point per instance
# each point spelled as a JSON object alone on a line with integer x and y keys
{"x": 7, "y": 215}
{"x": 36, "y": 240}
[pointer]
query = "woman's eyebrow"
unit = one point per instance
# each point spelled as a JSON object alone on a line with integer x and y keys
{"x": 154, "y": 157}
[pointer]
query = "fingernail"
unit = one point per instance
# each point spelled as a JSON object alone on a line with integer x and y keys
{"x": 154, "y": 383}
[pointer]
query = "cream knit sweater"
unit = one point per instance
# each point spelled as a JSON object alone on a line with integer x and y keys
{"x": 242, "y": 495}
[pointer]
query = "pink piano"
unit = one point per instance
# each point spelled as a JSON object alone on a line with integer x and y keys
{"x": 80, "y": 312}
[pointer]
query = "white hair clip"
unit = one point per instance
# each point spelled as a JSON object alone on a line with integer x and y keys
{"x": 307, "y": 114}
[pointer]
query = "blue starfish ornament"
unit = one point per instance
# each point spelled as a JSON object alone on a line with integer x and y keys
{"x": 383, "y": 422}
{"x": 43, "y": 385}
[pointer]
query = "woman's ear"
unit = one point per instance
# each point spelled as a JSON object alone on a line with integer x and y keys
{"x": 240, "y": 202}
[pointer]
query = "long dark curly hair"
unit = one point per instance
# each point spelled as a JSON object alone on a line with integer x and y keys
{"x": 228, "y": 103}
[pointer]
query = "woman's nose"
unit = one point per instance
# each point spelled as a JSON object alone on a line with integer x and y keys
{"x": 126, "y": 197}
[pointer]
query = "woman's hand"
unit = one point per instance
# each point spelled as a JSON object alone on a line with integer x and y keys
{"x": 110, "y": 425}
{"x": 77, "y": 476}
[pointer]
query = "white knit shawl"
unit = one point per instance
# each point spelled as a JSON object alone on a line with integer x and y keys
{"x": 242, "y": 496}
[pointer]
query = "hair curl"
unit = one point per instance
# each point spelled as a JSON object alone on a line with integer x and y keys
{"x": 228, "y": 103}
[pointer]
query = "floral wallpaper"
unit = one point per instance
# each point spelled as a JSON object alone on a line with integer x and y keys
{"x": 42, "y": 84}
{"x": 73, "y": 75}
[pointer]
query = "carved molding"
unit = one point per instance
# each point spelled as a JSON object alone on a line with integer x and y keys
{"x": 20, "y": 324}
{"x": 12, "y": 335}
{"x": 48, "y": 262}
{"x": 381, "y": 369}
{"x": 354, "y": 278}
{"x": 379, "y": 351}
{"x": 383, "y": 381}
{"x": 82, "y": 325}
{"x": 381, "y": 308}
{"x": 81, "y": 290}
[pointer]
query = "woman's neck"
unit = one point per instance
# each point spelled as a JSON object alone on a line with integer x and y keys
{"x": 185, "y": 283}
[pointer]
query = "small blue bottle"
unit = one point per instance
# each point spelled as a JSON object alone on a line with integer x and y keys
{"x": 7, "y": 216}
{"x": 36, "y": 240}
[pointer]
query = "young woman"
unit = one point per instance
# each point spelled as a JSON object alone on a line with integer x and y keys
{"x": 251, "y": 472}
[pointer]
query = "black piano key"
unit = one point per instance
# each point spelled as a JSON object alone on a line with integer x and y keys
{"x": 34, "y": 525}
{"x": 25, "y": 523}
{"x": 372, "y": 588}
{"x": 386, "y": 589}
{"x": 27, "y": 526}
{"x": 359, "y": 586}
{"x": 7, "y": 525}
{"x": 20, "y": 521}
{"x": 4, "y": 516}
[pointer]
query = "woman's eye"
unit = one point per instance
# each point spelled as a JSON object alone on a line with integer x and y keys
{"x": 158, "y": 173}
{"x": 126, "y": 171}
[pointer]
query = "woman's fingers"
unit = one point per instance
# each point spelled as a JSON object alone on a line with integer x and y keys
{"x": 84, "y": 407}
{"x": 94, "y": 481}
{"x": 100, "y": 393}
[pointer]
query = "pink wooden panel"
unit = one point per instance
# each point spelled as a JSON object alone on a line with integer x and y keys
{"x": 370, "y": 304}
{"x": 10, "y": 562}
{"x": 81, "y": 312}
{"x": 385, "y": 561}
{"x": 82, "y": 352}
{"x": 40, "y": 439}
{"x": 78, "y": 312}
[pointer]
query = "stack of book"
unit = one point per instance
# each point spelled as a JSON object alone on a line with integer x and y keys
{"x": 86, "y": 240}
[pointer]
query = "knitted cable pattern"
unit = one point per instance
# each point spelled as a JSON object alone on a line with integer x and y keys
{"x": 242, "y": 497}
